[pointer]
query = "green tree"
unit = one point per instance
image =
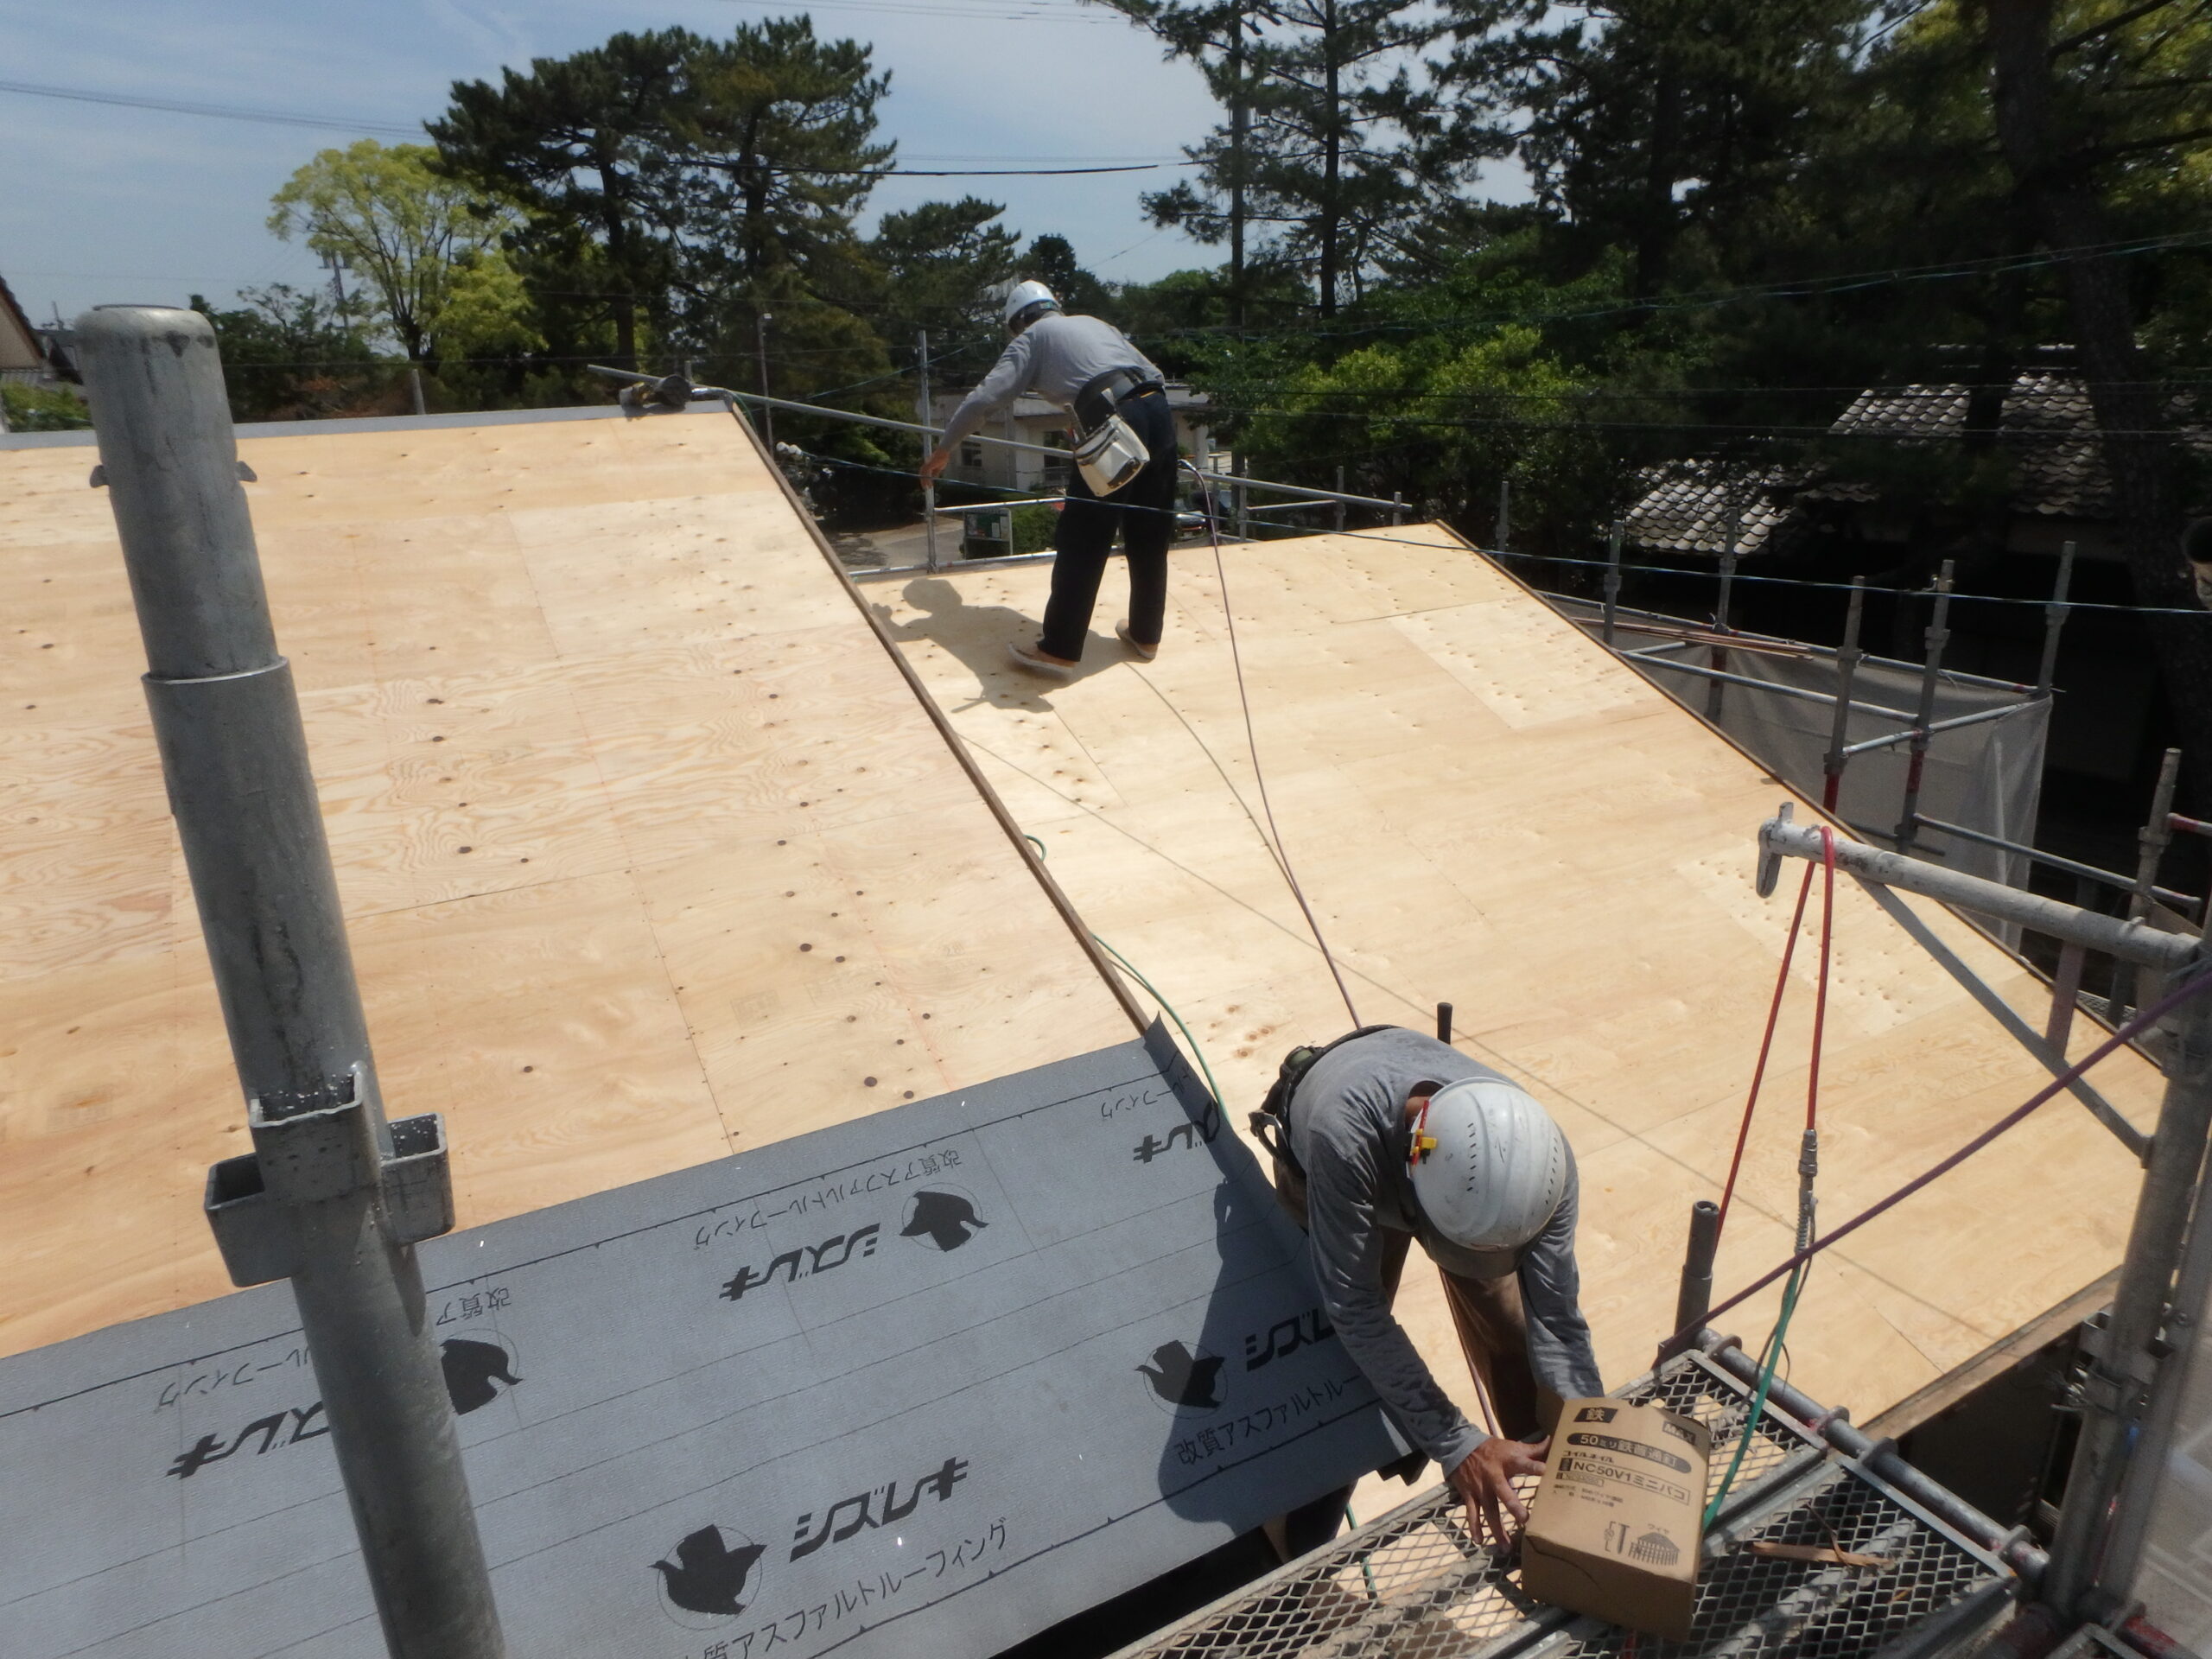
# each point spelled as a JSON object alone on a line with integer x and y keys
{"x": 2098, "y": 106}
{"x": 429, "y": 249}
{"x": 289, "y": 354}
{"x": 944, "y": 266}
{"x": 1331, "y": 135}
{"x": 585, "y": 143}
{"x": 1647, "y": 121}
{"x": 1051, "y": 261}
{"x": 697, "y": 193}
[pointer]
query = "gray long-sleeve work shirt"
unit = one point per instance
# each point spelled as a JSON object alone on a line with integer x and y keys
{"x": 1055, "y": 357}
{"x": 1348, "y": 1128}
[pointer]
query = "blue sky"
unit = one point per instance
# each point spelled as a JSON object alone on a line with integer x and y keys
{"x": 99, "y": 204}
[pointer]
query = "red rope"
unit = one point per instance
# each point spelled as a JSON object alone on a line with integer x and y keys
{"x": 1766, "y": 1046}
{"x": 2127, "y": 1033}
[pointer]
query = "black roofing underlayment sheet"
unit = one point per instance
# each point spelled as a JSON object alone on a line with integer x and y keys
{"x": 920, "y": 1384}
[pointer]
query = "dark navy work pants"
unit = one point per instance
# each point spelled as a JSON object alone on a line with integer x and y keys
{"x": 1142, "y": 512}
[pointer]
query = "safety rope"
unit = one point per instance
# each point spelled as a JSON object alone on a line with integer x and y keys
{"x": 1252, "y": 743}
{"x": 1766, "y": 1046}
{"x": 1808, "y": 1158}
{"x": 2121, "y": 1038}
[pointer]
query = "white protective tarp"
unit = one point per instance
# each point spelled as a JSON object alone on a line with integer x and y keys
{"x": 1985, "y": 777}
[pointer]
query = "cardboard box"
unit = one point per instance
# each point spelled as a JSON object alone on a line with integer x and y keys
{"x": 1615, "y": 1528}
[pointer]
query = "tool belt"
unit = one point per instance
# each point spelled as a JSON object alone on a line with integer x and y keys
{"x": 1094, "y": 403}
{"x": 1271, "y": 1123}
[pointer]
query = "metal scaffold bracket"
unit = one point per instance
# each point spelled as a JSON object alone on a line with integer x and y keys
{"x": 316, "y": 1157}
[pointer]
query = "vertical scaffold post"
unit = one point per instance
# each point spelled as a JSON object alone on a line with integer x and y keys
{"x": 1613, "y": 591}
{"x": 1504, "y": 535}
{"x": 1847, "y": 670}
{"x": 928, "y": 485}
{"x": 1244, "y": 500}
{"x": 2054, "y": 618}
{"x": 760, "y": 322}
{"x": 333, "y": 1197}
{"x": 2151, "y": 842}
{"x": 1340, "y": 505}
{"x": 1696, "y": 1292}
{"x": 2130, "y": 1350}
{"x": 1931, "y": 670}
{"x": 1397, "y": 506}
{"x": 1720, "y": 609}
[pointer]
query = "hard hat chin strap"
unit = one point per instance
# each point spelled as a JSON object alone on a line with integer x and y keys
{"x": 1422, "y": 1145}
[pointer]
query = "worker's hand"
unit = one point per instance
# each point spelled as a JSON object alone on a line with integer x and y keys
{"x": 934, "y": 463}
{"x": 1484, "y": 1482}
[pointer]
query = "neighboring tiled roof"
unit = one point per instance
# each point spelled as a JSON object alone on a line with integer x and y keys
{"x": 1693, "y": 508}
{"x": 20, "y": 344}
{"x": 2046, "y": 424}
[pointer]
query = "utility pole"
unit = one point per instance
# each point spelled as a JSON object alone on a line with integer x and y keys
{"x": 333, "y": 1196}
{"x": 1240, "y": 138}
{"x": 928, "y": 485}
{"x": 760, "y": 322}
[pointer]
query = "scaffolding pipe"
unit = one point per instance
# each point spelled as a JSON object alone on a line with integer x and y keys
{"x": 929, "y": 484}
{"x": 1916, "y": 732}
{"x": 1720, "y": 608}
{"x": 2054, "y": 618}
{"x": 1613, "y": 591}
{"x": 2137, "y": 942}
{"x": 1922, "y": 726}
{"x": 1801, "y": 693}
{"x": 2150, "y": 842}
{"x": 2088, "y": 872}
{"x": 1695, "y": 1295}
{"x": 1005, "y": 443}
{"x": 2131, "y": 1524}
{"x": 2008, "y": 1544}
{"x": 2131, "y": 1354}
{"x": 1847, "y": 664}
{"x": 333, "y": 1196}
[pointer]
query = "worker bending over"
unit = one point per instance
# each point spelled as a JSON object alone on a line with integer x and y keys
{"x": 1089, "y": 368}
{"x": 1390, "y": 1136}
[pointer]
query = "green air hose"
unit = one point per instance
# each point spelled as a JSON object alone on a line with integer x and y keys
{"x": 1166, "y": 1007}
{"x": 1770, "y": 1356}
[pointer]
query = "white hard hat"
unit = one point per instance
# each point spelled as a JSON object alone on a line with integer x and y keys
{"x": 1023, "y": 295}
{"x": 1497, "y": 1168}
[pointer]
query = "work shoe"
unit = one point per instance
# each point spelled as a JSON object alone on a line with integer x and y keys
{"x": 1041, "y": 662}
{"x": 1143, "y": 652}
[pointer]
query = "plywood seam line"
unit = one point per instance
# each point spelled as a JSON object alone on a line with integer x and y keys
{"x": 1053, "y": 892}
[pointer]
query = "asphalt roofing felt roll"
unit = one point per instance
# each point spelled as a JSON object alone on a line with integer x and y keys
{"x": 922, "y": 1383}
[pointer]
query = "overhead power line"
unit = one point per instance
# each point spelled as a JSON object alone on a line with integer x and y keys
{"x": 1076, "y": 164}
{"x": 1005, "y": 12}
{"x": 218, "y": 111}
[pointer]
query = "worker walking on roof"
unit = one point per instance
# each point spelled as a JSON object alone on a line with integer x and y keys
{"x": 1088, "y": 367}
{"x": 1388, "y": 1135}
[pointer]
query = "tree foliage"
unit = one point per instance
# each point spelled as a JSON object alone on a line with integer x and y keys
{"x": 431, "y": 251}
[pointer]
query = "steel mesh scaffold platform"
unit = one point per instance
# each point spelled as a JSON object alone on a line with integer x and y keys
{"x": 1415, "y": 1585}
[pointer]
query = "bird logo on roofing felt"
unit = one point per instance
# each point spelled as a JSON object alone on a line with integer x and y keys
{"x": 944, "y": 1221}
{"x": 470, "y": 1366}
{"x": 1187, "y": 1378}
{"x": 710, "y": 1573}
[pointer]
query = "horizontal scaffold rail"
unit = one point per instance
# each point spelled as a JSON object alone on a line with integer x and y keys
{"x": 2129, "y": 941}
